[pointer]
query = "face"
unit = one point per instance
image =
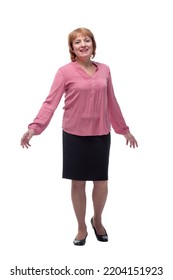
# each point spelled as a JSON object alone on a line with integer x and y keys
{"x": 83, "y": 47}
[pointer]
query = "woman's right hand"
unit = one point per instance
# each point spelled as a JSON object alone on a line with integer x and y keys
{"x": 26, "y": 138}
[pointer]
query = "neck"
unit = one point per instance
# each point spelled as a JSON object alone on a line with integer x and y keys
{"x": 86, "y": 63}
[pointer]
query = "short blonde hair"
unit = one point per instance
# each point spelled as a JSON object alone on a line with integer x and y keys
{"x": 72, "y": 36}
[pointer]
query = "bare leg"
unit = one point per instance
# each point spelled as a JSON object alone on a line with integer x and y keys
{"x": 99, "y": 196}
{"x": 79, "y": 204}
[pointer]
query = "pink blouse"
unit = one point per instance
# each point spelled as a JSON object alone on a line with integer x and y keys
{"x": 90, "y": 105}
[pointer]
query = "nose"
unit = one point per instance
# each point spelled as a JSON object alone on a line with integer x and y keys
{"x": 83, "y": 43}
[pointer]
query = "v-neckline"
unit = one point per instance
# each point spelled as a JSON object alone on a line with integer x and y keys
{"x": 83, "y": 70}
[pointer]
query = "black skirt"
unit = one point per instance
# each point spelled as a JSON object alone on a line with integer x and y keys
{"x": 85, "y": 158}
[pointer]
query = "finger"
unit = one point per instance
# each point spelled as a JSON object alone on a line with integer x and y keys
{"x": 22, "y": 143}
{"x": 25, "y": 144}
{"x": 24, "y": 138}
{"x": 132, "y": 144}
{"x": 135, "y": 144}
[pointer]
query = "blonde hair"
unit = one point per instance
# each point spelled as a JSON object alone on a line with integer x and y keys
{"x": 72, "y": 36}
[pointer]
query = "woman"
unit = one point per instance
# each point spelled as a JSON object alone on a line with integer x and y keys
{"x": 90, "y": 110}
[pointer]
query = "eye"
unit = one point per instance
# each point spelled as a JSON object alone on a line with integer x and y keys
{"x": 88, "y": 40}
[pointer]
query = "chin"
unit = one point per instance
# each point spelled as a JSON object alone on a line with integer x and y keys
{"x": 86, "y": 56}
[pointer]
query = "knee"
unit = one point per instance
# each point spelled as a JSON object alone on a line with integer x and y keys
{"x": 78, "y": 184}
{"x": 100, "y": 184}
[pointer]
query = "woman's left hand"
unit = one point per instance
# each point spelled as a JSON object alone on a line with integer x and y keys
{"x": 130, "y": 139}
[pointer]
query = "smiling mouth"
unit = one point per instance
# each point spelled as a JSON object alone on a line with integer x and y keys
{"x": 84, "y": 50}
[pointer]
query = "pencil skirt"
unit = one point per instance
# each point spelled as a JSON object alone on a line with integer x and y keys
{"x": 86, "y": 158}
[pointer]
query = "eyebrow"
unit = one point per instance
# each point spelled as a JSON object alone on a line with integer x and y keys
{"x": 78, "y": 39}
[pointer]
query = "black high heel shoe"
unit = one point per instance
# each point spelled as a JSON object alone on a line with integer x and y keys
{"x": 103, "y": 237}
{"x": 80, "y": 242}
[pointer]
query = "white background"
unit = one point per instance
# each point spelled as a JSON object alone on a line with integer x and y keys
{"x": 37, "y": 221}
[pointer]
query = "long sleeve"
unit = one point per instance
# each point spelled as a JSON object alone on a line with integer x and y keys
{"x": 116, "y": 117}
{"x": 49, "y": 106}
{"x": 90, "y": 106}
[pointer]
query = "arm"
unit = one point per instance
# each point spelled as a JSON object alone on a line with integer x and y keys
{"x": 49, "y": 106}
{"x": 46, "y": 111}
{"x": 116, "y": 117}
